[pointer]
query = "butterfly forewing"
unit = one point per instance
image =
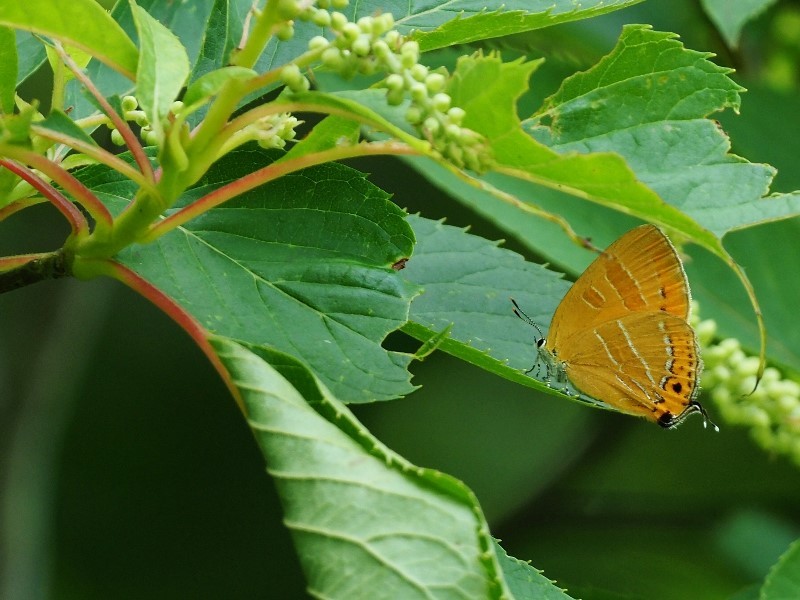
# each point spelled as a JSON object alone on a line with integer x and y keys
{"x": 640, "y": 272}
{"x": 642, "y": 363}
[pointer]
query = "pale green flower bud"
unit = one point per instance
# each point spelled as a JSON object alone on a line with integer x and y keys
{"x": 395, "y": 98}
{"x": 771, "y": 375}
{"x": 380, "y": 49}
{"x": 116, "y": 138}
{"x": 392, "y": 37}
{"x": 318, "y": 42}
{"x": 787, "y": 403}
{"x": 419, "y": 92}
{"x": 453, "y": 132}
{"x": 414, "y": 115}
{"x": 746, "y": 385}
{"x": 432, "y": 125}
{"x": 395, "y": 82}
{"x": 365, "y": 24}
{"x": 129, "y": 103}
{"x": 338, "y": 21}
{"x": 351, "y": 32}
{"x": 151, "y": 138}
{"x": 435, "y": 82}
{"x": 471, "y": 160}
{"x": 322, "y": 18}
{"x": 332, "y": 58}
{"x": 455, "y": 153}
{"x": 456, "y": 115}
{"x": 288, "y": 9}
{"x": 362, "y": 46}
{"x": 441, "y": 102}
{"x": 721, "y": 374}
{"x": 706, "y": 331}
{"x": 748, "y": 365}
{"x": 721, "y": 395}
{"x": 293, "y": 78}
{"x": 285, "y": 32}
{"x": 410, "y": 48}
{"x": 383, "y": 22}
{"x": 408, "y": 60}
{"x": 419, "y": 72}
{"x": 729, "y": 345}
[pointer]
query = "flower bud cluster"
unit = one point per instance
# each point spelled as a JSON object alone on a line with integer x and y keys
{"x": 271, "y": 131}
{"x": 772, "y": 411}
{"x": 131, "y": 112}
{"x": 371, "y": 45}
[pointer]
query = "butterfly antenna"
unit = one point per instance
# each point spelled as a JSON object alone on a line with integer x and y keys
{"x": 706, "y": 420}
{"x": 693, "y": 407}
{"x": 521, "y": 314}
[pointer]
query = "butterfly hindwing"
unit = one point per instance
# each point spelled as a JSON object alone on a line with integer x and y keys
{"x": 642, "y": 363}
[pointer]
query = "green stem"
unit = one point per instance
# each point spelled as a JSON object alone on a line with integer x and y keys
{"x": 202, "y": 150}
{"x": 258, "y": 36}
{"x": 128, "y": 228}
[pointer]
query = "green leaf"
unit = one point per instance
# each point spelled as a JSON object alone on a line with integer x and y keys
{"x": 223, "y": 32}
{"x": 540, "y": 183}
{"x": 363, "y": 106}
{"x": 211, "y": 83}
{"x": 195, "y": 25}
{"x": 366, "y": 523}
{"x": 59, "y": 122}
{"x": 622, "y": 105}
{"x": 783, "y": 580}
{"x": 603, "y": 177}
{"x": 328, "y": 133}
{"x": 16, "y": 128}
{"x": 435, "y": 27}
{"x": 527, "y": 582}
{"x": 8, "y": 69}
{"x": 163, "y": 67}
{"x": 767, "y": 254}
{"x": 730, "y": 16}
{"x": 468, "y": 285}
{"x": 30, "y": 55}
{"x": 468, "y": 282}
{"x": 302, "y": 264}
{"x": 81, "y": 23}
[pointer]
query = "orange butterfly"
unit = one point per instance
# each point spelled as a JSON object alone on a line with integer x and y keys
{"x": 621, "y": 334}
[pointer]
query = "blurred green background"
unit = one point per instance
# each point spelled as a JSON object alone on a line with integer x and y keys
{"x": 128, "y": 472}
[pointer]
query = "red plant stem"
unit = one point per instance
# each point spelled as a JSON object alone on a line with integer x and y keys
{"x": 267, "y": 174}
{"x": 186, "y": 321}
{"x": 18, "y": 205}
{"x": 97, "y": 153}
{"x": 76, "y": 219}
{"x": 67, "y": 181}
{"x": 122, "y": 126}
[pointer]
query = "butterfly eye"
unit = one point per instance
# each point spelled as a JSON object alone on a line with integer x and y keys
{"x": 540, "y": 342}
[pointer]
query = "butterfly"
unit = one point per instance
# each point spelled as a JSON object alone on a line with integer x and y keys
{"x": 621, "y": 334}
